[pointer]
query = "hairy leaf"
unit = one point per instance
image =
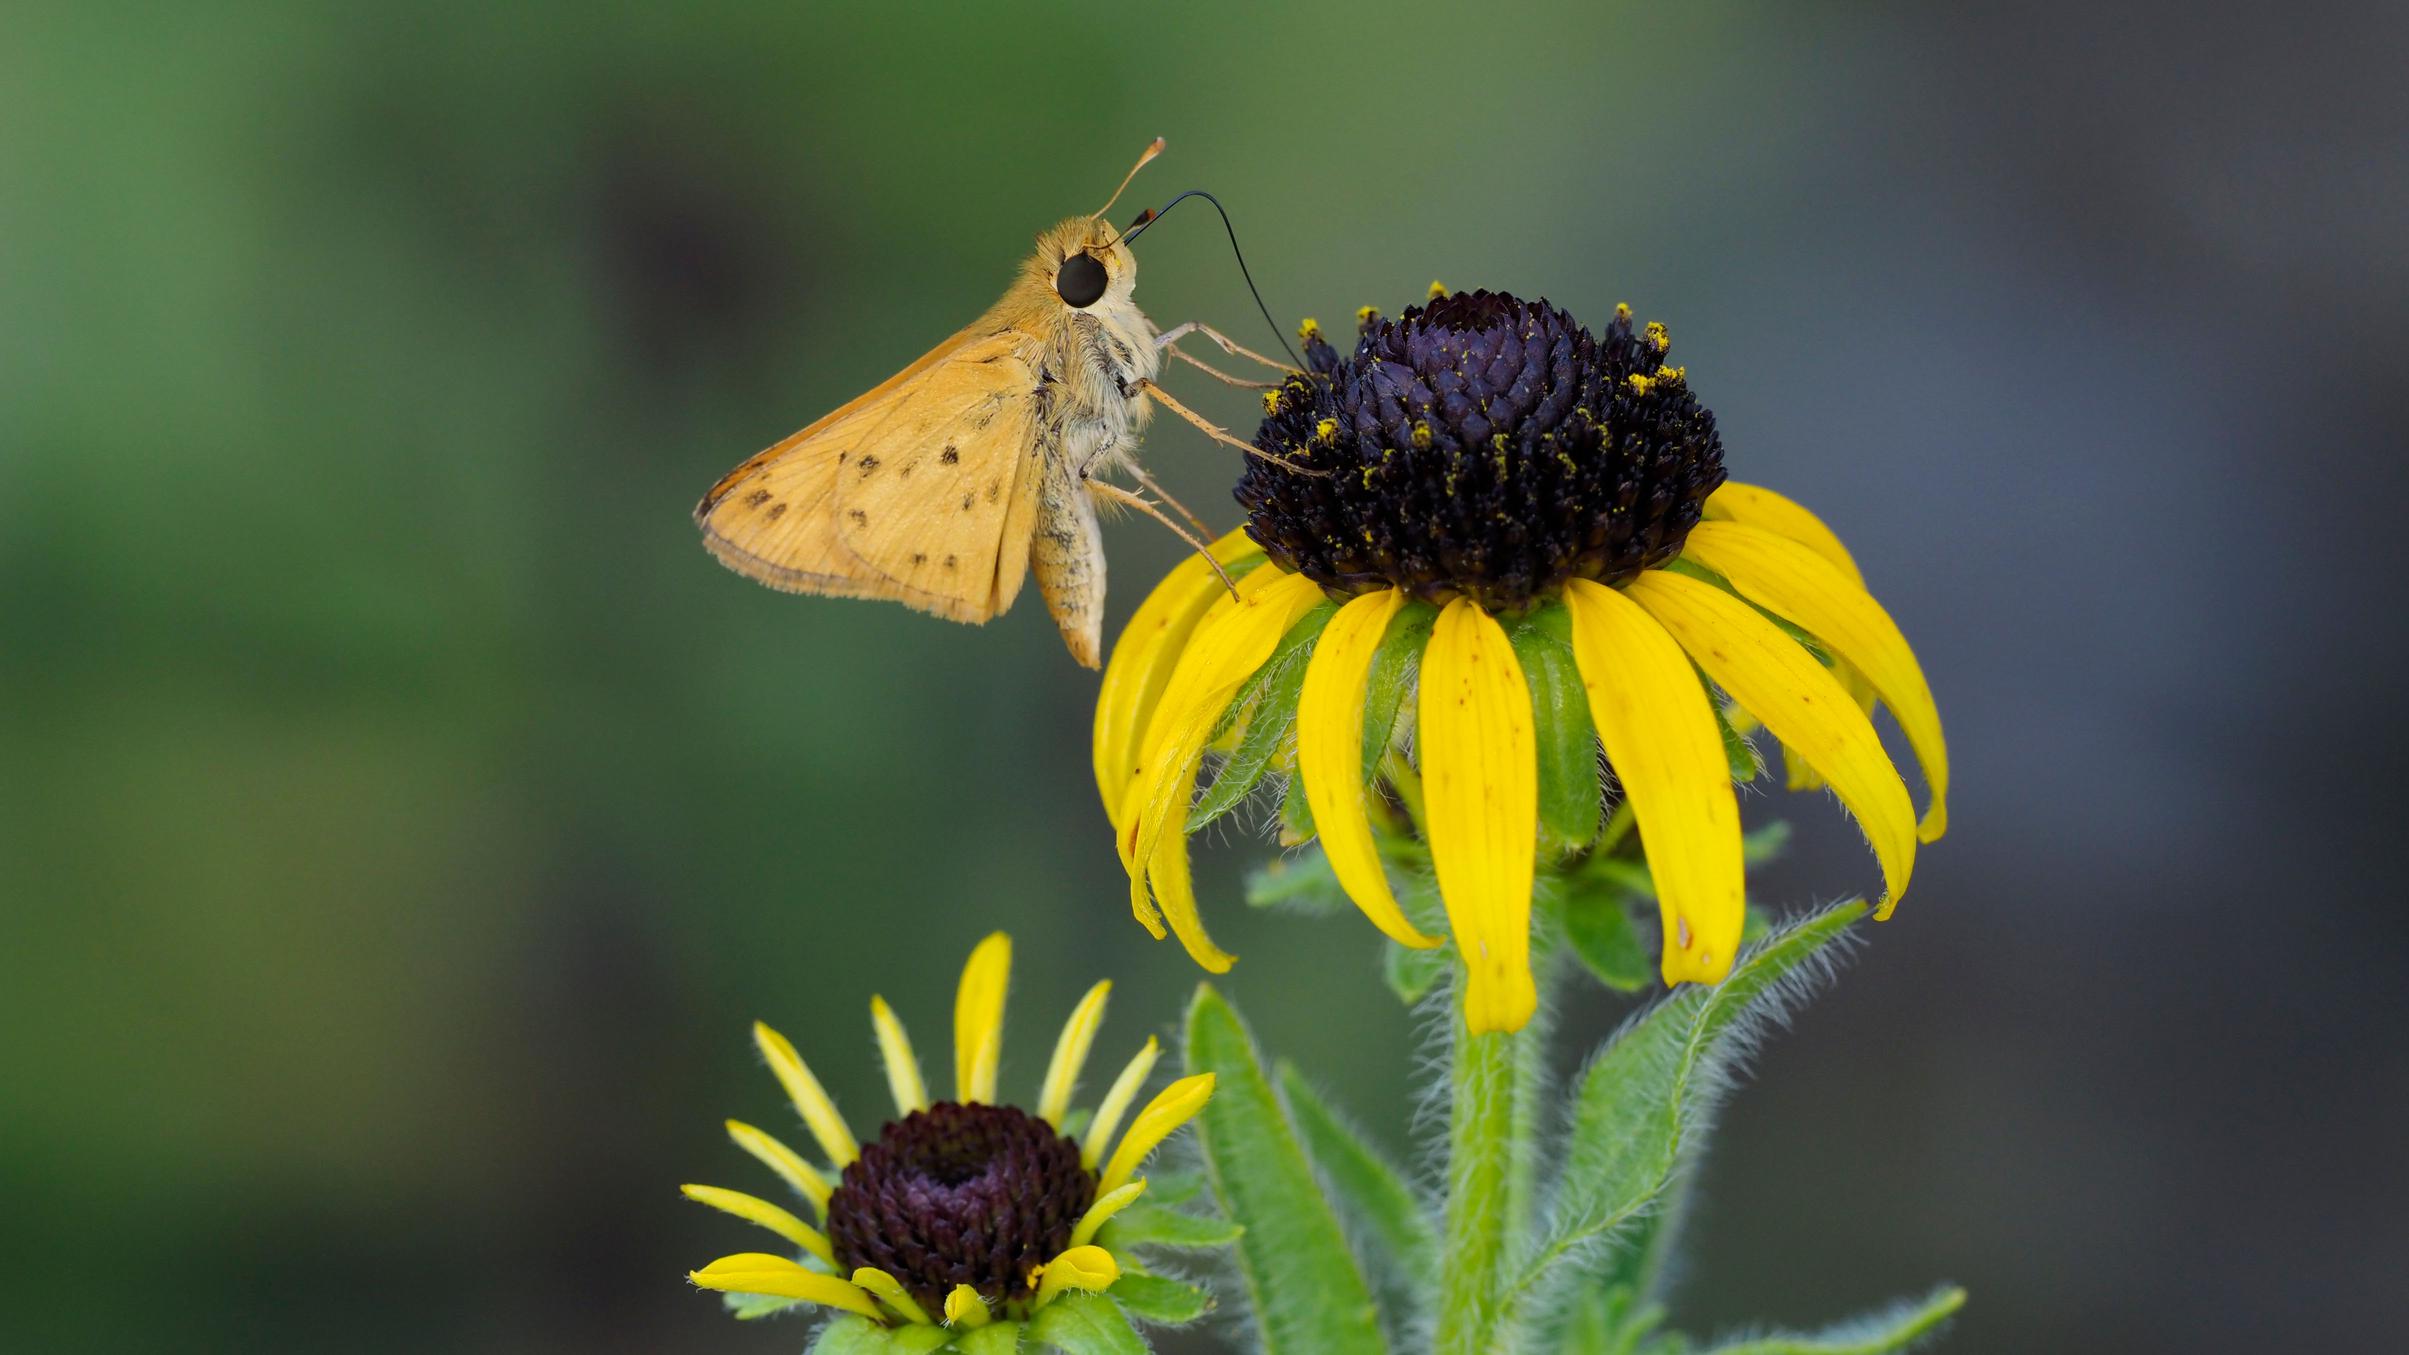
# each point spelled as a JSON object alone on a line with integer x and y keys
{"x": 1086, "y": 1324}
{"x": 1569, "y": 790}
{"x": 1268, "y": 703}
{"x": 1158, "y": 1300}
{"x": 1366, "y": 1184}
{"x": 1146, "y": 1225}
{"x": 1302, "y": 882}
{"x": 1306, "y": 1294}
{"x": 1896, "y": 1328}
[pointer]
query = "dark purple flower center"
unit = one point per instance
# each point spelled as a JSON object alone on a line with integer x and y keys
{"x": 960, "y": 1194}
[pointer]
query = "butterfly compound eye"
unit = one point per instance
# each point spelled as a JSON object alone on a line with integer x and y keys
{"x": 1081, "y": 281}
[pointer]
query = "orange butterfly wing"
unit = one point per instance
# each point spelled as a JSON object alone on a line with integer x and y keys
{"x": 922, "y": 491}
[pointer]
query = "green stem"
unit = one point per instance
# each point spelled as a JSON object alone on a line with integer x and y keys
{"x": 1481, "y": 1194}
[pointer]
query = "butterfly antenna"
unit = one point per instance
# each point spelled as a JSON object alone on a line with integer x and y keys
{"x": 1151, "y": 216}
{"x": 1153, "y": 149}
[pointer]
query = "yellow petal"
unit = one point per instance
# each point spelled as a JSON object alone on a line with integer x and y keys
{"x": 1756, "y": 506}
{"x": 1143, "y": 656}
{"x": 1108, "y": 1204}
{"x": 1805, "y": 707}
{"x": 790, "y": 1166}
{"x": 979, "y": 1019}
{"x": 811, "y": 1102}
{"x": 1117, "y": 1102}
{"x": 965, "y": 1309}
{"x": 761, "y": 1273}
{"x": 1091, "y": 1269}
{"x": 895, "y": 1048}
{"x": 1225, "y": 652}
{"x": 1330, "y": 757}
{"x": 1171, "y": 1107}
{"x": 1660, "y": 735}
{"x": 1070, "y": 1054}
{"x": 1480, "y": 788}
{"x": 891, "y": 1292}
{"x": 1798, "y": 584}
{"x": 755, "y": 1210}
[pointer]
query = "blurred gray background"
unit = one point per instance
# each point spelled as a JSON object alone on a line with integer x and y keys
{"x": 401, "y": 817}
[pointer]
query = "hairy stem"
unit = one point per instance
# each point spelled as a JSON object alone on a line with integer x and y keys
{"x": 1482, "y": 1197}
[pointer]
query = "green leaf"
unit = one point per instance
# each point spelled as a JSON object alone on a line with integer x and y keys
{"x": 1301, "y": 883}
{"x": 851, "y": 1335}
{"x": 1412, "y": 971}
{"x": 1269, "y": 702}
{"x": 996, "y": 1338}
{"x": 1086, "y": 1324}
{"x": 1764, "y": 844}
{"x": 751, "y": 1307}
{"x": 1296, "y": 813}
{"x": 1075, "y": 1122}
{"x": 1147, "y": 1225}
{"x": 1393, "y": 667}
{"x": 1173, "y": 1186}
{"x": 1898, "y": 1327}
{"x": 1366, "y": 1184}
{"x": 1603, "y": 938}
{"x": 1307, "y": 1297}
{"x": 1155, "y": 1299}
{"x": 1569, "y": 790}
{"x": 1642, "y": 1106}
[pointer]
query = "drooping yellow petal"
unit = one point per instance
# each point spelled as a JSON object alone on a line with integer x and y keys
{"x": 1329, "y": 752}
{"x": 1171, "y": 1107}
{"x": 895, "y": 1048}
{"x": 1117, "y": 1102}
{"x": 761, "y": 1273}
{"x": 965, "y": 1310}
{"x": 755, "y": 1210}
{"x": 1090, "y": 1269}
{"x": 1805, "y": 707}
{"x": 1108, "y": 1204}
{"x": 979, "y": 1019}
{"x": 1480, "y": 789}
{"x": 1660, "y": 735}
{"x": 790, "y": 1166}
{"x": 1070, "y": 1054}
{"x": 890, "y": 1291}
{"x": 1757, "y": 506}
{"x": 811, "y": 1102}
{"x": 1794, "y": 582}
{"x": 1143, "y": 656}
{"x": 1223, "y": 654}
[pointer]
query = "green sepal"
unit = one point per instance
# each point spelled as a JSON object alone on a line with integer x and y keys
{"x": 1149, "y": 1225}
{"x": 1075, "y": 1122}
{"x": 1367, "y": 1185}
{"x": 1394, "y": 664}
{"x": 1296, "y": 813}
{"x": 1086, "y": 1324}
{"x": 1569, "y": 790}
{"x": 1152, "y": 1298}
{"x": 1602, "y": 1322}
{"x": 1898, "y": 1327}
{"x": 1765, "y": 844}
{"x": 753, "y": 1307}
{"x": 1302, "y": 883}
{"x": 851, "y": 1335}
{"x": 1412, "y": 971}
{"x": 1304, "y": 1289}
{"x": 1268, "y": 703}
{"x": 1173, "y": 1186}
{"x": 1598, "y": 927}
{"x": 1739, "y": 752}
{"x": 996, "y": 1338}
{"x": 1642, "y": 1107}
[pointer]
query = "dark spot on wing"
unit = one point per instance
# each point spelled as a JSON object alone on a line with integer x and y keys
{"x": 777, "y": 510}
{"x": 995, "y": 490}
{"x": 950, "y": 562}
{"x": 920, "y": 557}
{"x": 757, "y": 498}
{"x": 950, "y": 456}
{"x": 860, "y": 518}
{"x": 869, "y": 464}
{"x": 966, "y": 501}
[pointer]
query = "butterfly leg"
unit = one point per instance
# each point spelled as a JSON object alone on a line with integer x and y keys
{"x": 1146, "y": 482}
{"x": 1217, "y": 433}
{"x": 1219, "y": 375}
{"x": 1227, "y": 345}
{"x": 1112, "y": 493}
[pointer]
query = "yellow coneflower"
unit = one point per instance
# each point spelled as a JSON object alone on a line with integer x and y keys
{"x": 1489, "y": 486}
{"x": 960, "y": 1212}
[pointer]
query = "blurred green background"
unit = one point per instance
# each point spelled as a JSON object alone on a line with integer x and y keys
{"x": 401, "y": 817}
